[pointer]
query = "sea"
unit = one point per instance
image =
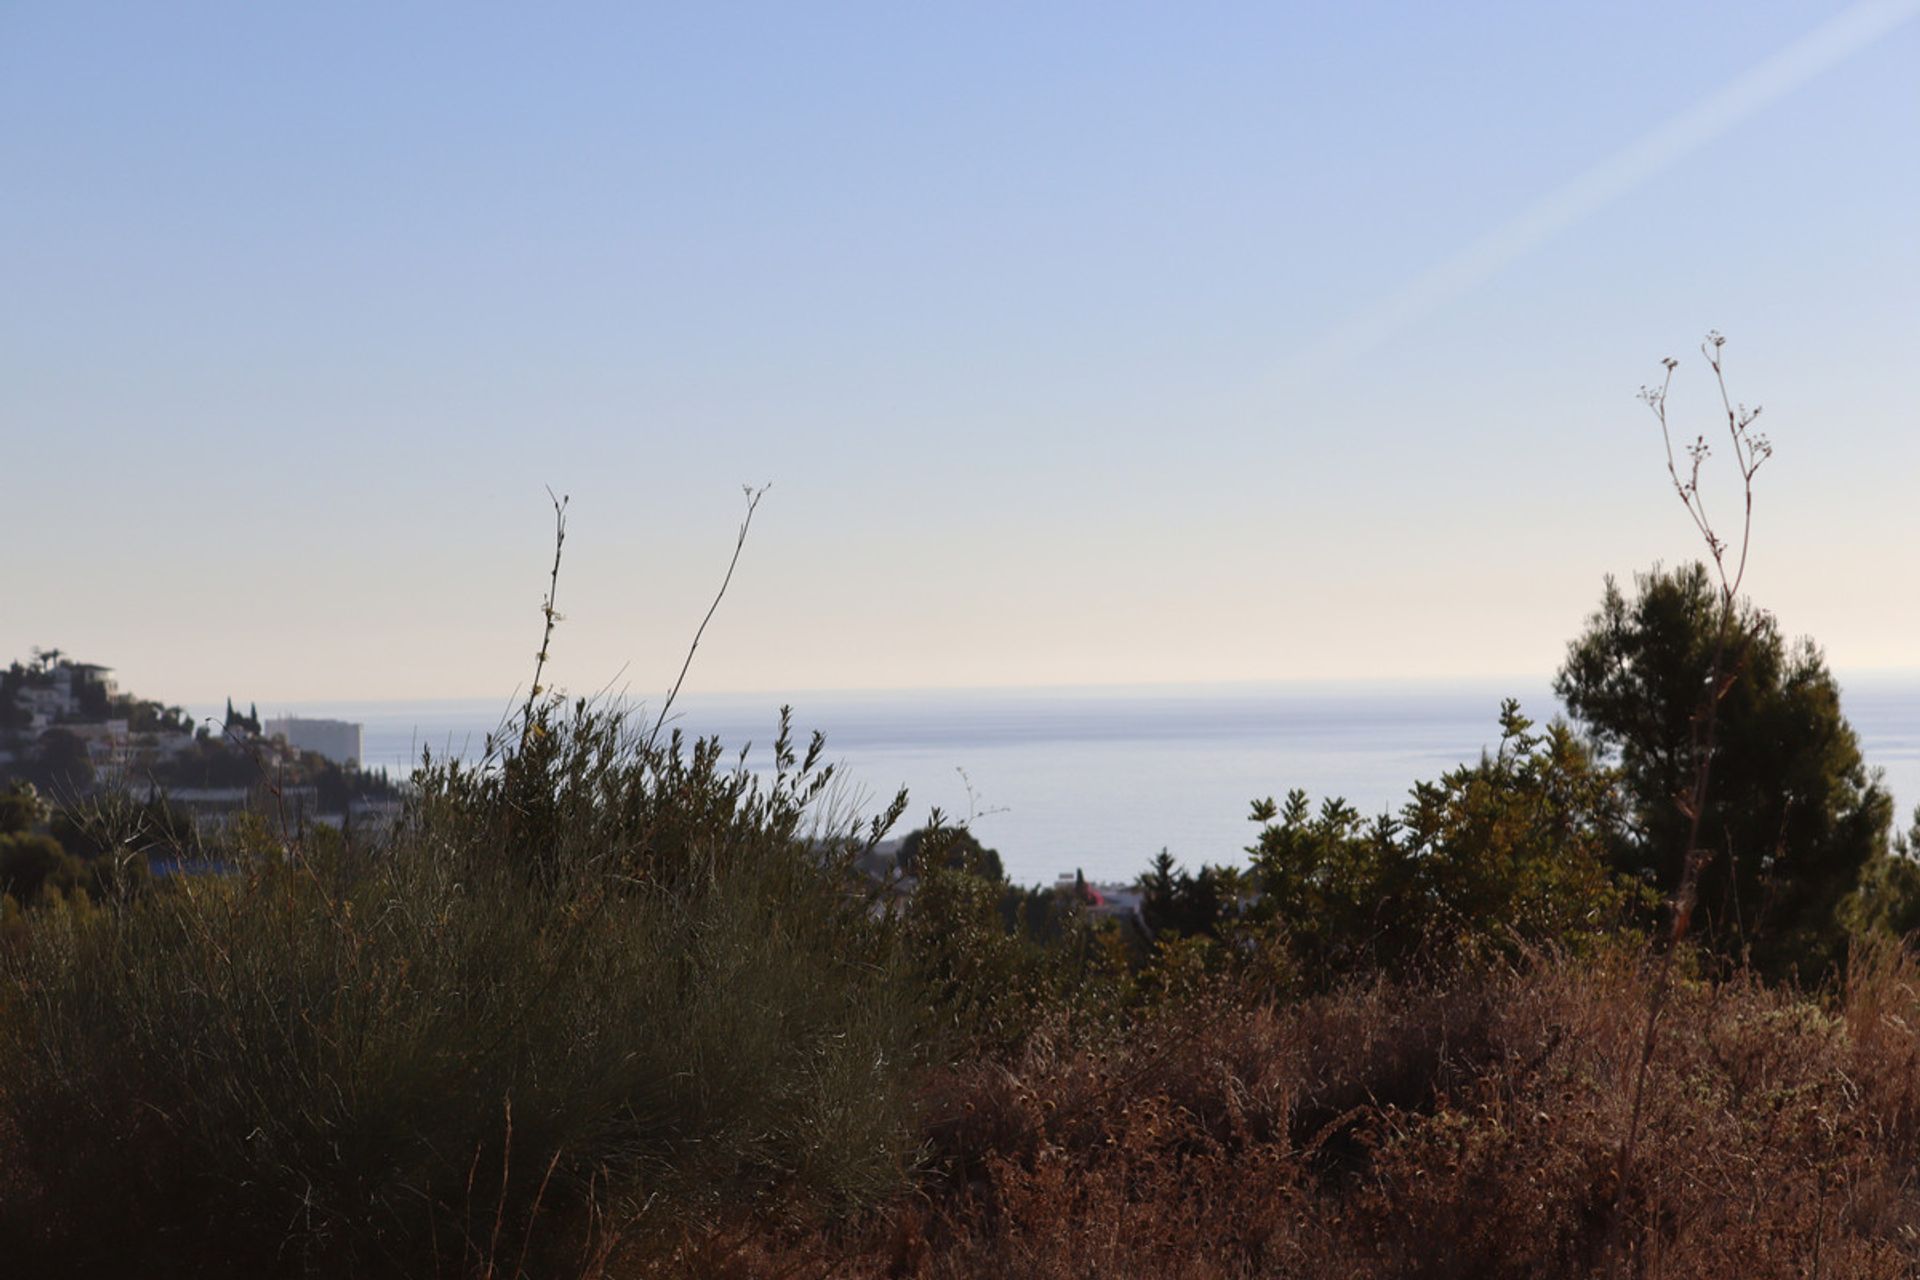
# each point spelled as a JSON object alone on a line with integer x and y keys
{"x": 1100, "y": 779}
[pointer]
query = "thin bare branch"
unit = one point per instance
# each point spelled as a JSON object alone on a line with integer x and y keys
{"x": 739, "y": 544}
{"x": 547, "y": 611}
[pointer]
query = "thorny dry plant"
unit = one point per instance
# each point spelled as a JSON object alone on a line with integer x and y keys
{"x": 753, "y": 496}
{"x": 1750, "y": 451}
{"x": 547, "y": 611}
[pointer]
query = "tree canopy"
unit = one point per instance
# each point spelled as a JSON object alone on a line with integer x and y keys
{"x": 21, "y": 808}
{"x": 956, "y": 848}
{"x": 1792, "y": 815}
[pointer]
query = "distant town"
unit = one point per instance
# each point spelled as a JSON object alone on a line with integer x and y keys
{"x": 70, "y": 731}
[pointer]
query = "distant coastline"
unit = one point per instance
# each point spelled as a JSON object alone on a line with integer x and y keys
{"x": 1177, "y": 765}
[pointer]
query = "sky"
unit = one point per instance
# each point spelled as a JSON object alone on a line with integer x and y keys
{"x": 1079, "y": 344}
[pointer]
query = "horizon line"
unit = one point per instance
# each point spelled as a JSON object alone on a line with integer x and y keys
{"x": 1528, "y": 681}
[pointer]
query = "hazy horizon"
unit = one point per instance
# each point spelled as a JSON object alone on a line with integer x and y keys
{"x": 1099, "y": 778}
{"x": 1518, "y": 684}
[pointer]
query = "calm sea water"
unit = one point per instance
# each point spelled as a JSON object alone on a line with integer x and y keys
{"x": 1102, "y": 779}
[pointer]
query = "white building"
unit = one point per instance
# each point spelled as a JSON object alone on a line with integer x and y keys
{"x": 106, "y": 741}
{"x": 337, "y": 740}
{"x": 45, "y": 705}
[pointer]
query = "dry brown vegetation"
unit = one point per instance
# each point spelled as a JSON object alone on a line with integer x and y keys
{"x": 1460, "y": 1130}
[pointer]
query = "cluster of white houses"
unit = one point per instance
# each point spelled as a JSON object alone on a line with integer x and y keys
{"x": 58, "y": 698}
{"x": 68, "y": 697}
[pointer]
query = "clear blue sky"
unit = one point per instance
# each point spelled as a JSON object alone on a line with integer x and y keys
{"x": 1102, "y": 343}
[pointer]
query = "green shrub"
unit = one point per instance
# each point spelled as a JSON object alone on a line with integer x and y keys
{"x": 598, "y": 983}
{"x": 21, "y": 809}
{"x": 1886, "y": 903}
{"x": 1496, "y": 858}
{"x": 30, "y": 864}
{"x": 992, "y": 960}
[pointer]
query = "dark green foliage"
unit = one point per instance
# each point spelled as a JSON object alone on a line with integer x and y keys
{"x": 21, "y": 809}
{"x": 1189, "y": 904}
{"x": 1887, "y": 899}
{"x": 979, "y": 978}
{"x": 12, "y": 680}
{"x": 992, "y": 960}
{"x": 31, "y": 864}
{"x": 59, "y": 764}
{"x": 1038, "y": 913}
{"x": 97, "y": 848}
{"x": 119, "y": 825}
{"x": 1792, "y": 815}
{"x": 1498, "y": 856}
{"x": 212, "y": 761}
{"x": 339, "y": 785}
{"x": 953, "y": 847}
{"x": 598, "y": 984}
{"x": 154, "y": 717}
{"x": 236, "y": 725}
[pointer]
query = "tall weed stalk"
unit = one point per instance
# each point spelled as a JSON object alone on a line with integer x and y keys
{"x": 1750, "y": 451}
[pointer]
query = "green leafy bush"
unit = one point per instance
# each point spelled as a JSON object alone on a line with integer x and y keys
{"x": 21, "y": 809}
{"x": 30, "y": 864}
{"x": 1886, "y": 902}
{"x": 598, "y": 983}
{"x": 1497, "y": 857}
{"x": 992, "y": 960}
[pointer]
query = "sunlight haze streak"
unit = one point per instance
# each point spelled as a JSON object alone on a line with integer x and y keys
{"x": 1819, "y": 51}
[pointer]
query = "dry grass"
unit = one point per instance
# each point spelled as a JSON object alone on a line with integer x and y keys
{"x": 1459, "y": 1129}
{"x": 1463, "y": 1131}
